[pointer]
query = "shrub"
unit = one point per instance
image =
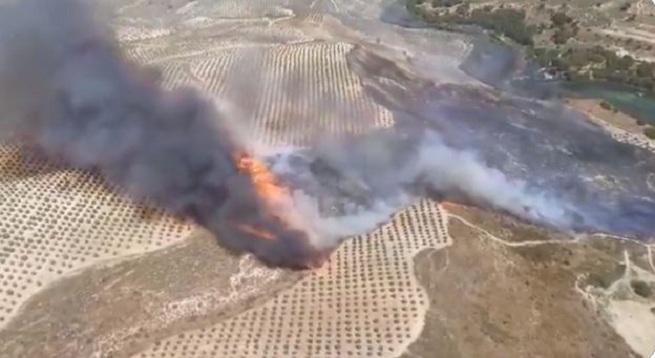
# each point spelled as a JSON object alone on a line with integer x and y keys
{"x": 445, "y": 3}
{"x": 645, "y": 69}
{"x": 563, "y": 34}
{"x": 560, "y": 19}
{"x": 641, "y": 288}
{"x": 650, "y": 132}
{"x": 508, "y": 22}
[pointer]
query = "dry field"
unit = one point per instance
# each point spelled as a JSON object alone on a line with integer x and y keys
{"x": 57, "y": 222}
{"x": 366, "y": 302}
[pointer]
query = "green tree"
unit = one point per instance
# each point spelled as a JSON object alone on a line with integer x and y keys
{"x": 641, "y": 288}
{"x": 645, "y": 69}
{"x": 560, "y": 19}
{"x": 650, "y": 132}
{"x": 446, "y": 3}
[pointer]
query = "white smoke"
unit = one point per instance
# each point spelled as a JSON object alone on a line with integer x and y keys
{"x": 447, "y": 170}
{"x": 389, "y": 181}
{"x": 66, "y": 85}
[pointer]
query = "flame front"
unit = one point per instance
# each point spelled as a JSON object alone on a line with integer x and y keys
{"x": 270, "y": 192}
{"x": 265, "y": 182}
{"x": 279, "y": 227}
{"x": 259, "y": 233}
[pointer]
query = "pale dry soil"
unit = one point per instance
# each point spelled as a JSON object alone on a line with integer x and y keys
{"x": 622, "y": 127}
{"x": 495, "y": 294}
{"x": 114, "y": 310}
{"x": 620, "y": 120}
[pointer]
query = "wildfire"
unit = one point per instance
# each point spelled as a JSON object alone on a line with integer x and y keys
{"x": 265, "y": 182}
{"x": 260, "y": 233}
{"x": 281, "y": 216}
{"x": 268, "y": 189}
{"x": 282, "y": 223}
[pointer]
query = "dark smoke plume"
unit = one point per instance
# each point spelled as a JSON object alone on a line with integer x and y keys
{"x": 66, "y": 89}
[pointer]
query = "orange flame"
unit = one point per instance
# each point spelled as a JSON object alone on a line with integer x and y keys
{"x": 267, "y": 187}
{"x": 277, "y": 201}
{"x": 260, "y": 233}
{"x": 266, "y": 183}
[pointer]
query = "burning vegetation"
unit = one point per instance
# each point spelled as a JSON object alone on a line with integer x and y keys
{"x": 265, "y": 183}
{"x": 81, "y": 101}
{"x": 272, "y": 195}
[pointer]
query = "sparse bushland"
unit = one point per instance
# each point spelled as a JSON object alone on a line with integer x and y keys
{"x": 566, "y": 56}
{"x": 564, "y": 26}
{"x": 507, "y": 22}
{"x": 597, "y": 64}
{"x": 605, "y": 278}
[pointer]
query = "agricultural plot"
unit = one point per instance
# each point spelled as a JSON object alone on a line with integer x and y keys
{"x": 212, "y": 71}
{"x": 309, "y": 91}
{"x": 144, "y": 53}
{"x": 176, "y": 74}
{"x": 126, "y": 34}
{"x": 56, "y": 222}
{"x": 180, "y": 12}
{"x": 287, "y": 94}
{"x": 250, "y": 9}
{"x": 365, "y": 303}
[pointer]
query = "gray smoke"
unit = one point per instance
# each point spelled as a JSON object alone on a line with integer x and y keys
{"x": 67, "y": 91}
{"x": 458, "y": 173}
{"x": 350, "y": 186}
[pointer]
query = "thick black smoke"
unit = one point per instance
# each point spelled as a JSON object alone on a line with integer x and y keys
{"x": 66, "y": 89}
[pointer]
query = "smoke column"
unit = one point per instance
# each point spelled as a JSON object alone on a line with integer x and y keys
{"x": 350, "y": 186}
{"x": 66, "y": 89}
